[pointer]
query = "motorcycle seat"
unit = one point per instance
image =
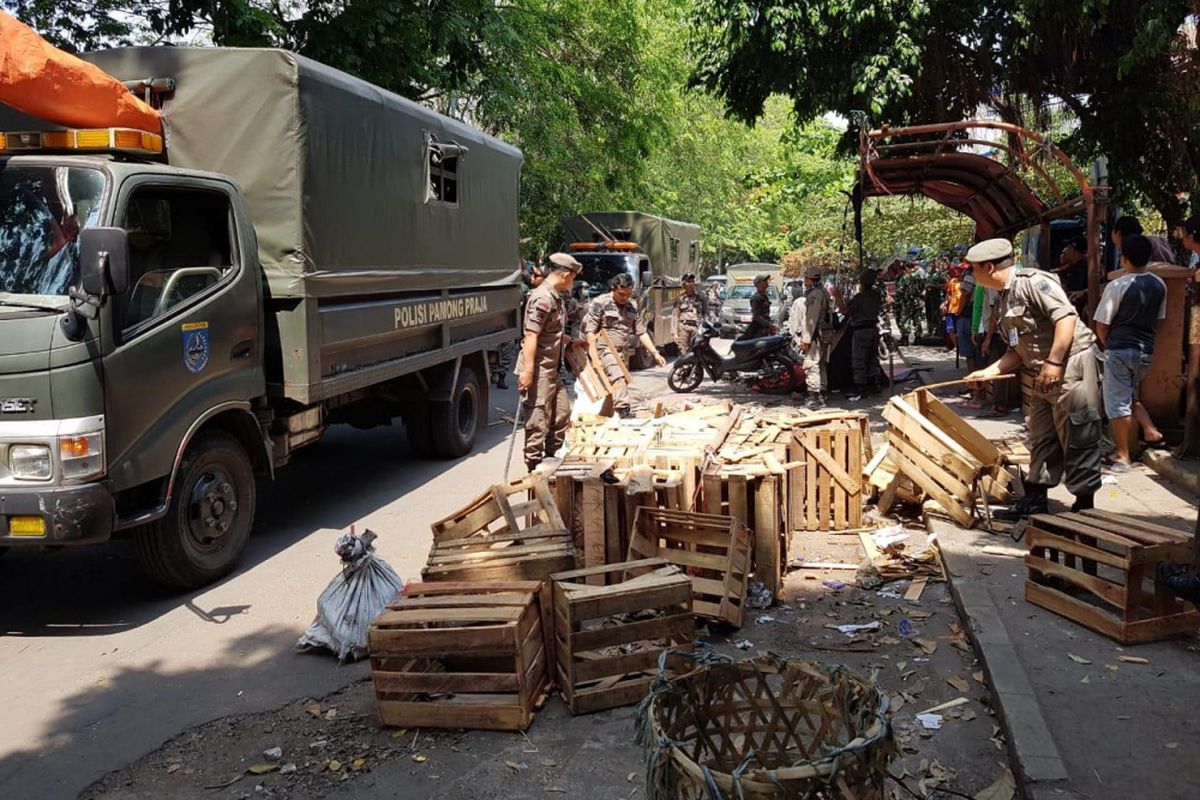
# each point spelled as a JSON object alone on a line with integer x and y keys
{"x": 761, "y": 343}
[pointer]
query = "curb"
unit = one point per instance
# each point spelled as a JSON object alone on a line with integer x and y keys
{"x": 1169, "y": 467}
{"x": 1030, "y": 745}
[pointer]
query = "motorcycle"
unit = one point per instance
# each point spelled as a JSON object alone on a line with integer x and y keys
{"x": 773, "y": 366}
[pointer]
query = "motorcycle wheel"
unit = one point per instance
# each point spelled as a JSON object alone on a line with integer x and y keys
{"x": 777, "y": 376}
{"x": 686, "y": 375}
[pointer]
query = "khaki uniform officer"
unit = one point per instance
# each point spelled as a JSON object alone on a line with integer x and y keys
{"x": 616, "y": 313}
{"x": 809, "y": 312}
{"x": 545, "y": 404}
{"x": 1056, "y": 355}
{"x": 691, "y": 308}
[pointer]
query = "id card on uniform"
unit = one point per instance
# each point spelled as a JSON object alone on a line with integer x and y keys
{"x": 1012, "y": 337}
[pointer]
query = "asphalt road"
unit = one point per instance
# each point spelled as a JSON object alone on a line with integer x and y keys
{"x": 100, "y": 666}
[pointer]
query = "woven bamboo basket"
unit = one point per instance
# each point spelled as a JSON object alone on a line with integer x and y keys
{"x": 765, "y": 728}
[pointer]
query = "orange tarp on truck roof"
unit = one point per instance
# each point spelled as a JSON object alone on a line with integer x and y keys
{"x": 42, "y": 81}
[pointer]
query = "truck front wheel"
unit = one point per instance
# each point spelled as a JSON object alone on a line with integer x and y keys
{"x": 208, "y": 522}
{"x": 455, "y": 424}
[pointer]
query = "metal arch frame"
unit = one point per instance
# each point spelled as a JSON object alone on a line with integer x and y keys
{"x": 881, "y": 145}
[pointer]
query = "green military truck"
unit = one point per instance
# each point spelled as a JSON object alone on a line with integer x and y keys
{"x": 655, "y": 251}
{"x": 306, "y": 250}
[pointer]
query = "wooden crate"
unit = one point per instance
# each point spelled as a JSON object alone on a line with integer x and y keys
{"x": 503, "y": 535}
{"x": 761, "y": 503}
{"x": 826, "y": 493}
{"x": 592, "y": 624}
{"x": 600, "y": 515}
{"x": 1098, "y": 569}
{"x": 715, "y": 551}
{"x": 951, "y": 462}
{"x": 462, "y": 655}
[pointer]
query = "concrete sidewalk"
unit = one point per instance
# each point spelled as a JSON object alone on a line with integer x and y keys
{"x": 1079, "y": 722}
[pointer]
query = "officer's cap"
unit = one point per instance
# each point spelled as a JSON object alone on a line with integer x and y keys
{"x": 762, "y": 278}
{"x": 990, "y": 250}
{"x": 813, "y": 272}
{"x": 565, "y": 261}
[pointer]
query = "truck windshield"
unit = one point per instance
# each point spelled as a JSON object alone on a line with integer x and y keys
{"x": 600, "y": 268}
{"x": 744, "y": 291}
{"x": 42, "y": 210}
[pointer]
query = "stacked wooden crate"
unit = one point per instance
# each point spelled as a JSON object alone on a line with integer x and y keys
{"x": 511, "y": 532}
{"x": 608, "y": 638}
{"x": 462, "y": 655}
{"x": 943, "y": 456}
{"x": 1098, "y": 569}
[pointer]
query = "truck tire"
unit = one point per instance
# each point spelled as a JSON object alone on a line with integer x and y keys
{"x": 455, "y": 424}
{"x": 418, "y": 429}
{"x": 208, "y": 522}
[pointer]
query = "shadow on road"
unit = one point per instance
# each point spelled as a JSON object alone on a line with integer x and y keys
{"x": 101, "y": 590}
{"x": 93, "y": 732}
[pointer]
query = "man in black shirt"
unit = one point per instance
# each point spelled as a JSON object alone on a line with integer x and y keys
{"x": 1072, "y": 273}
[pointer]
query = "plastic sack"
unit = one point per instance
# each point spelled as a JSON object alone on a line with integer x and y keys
{"x": 352, "y": 600}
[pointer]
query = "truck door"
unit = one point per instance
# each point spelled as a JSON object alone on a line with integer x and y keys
{"x": 186, "y": 335}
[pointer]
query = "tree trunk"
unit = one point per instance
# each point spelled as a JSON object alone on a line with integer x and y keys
{"x": 1190, "y": 447}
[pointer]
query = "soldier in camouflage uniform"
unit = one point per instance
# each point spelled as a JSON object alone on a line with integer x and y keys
{"x": 616, "y": 313}
{"x": 690, "y": 309}
{"x": 1060, "y": 376}
{"x": 545, "y": 404}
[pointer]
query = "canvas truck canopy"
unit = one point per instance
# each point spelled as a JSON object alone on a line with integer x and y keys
{"x": 352, "y": 190}
{"x": 672, "y": 246}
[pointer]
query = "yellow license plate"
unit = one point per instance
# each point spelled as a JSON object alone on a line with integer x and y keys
{"x": 26, "y": 526}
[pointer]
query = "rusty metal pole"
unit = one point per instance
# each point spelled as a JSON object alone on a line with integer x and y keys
{"x": 1093, "y": 256}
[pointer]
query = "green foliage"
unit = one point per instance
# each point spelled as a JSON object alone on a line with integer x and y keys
{"x": 1122, "y": 68}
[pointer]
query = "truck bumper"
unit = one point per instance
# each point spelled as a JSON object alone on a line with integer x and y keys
{"x": 71, "y": 514}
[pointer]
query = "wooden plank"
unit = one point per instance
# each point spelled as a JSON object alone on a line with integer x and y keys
{"x": 682, "y": 624}
{"x": 1111, "y": 593}
{"x": 855, "y": 439}
{"x": 911, "y": 431}
{"x": 974, "y": 442}
{"x": 439, "y": 682}
{"x": 439, "y": 641}
{"x": 1142, "y": 525}
{"x": 575, "y": 574}
{"x": 768, "y": 559}
{"x": 738, "y": 508}
{"x": 811, "y": 488}
{"x": 477, "y": 613}
{"x": 613, "y": 497}
{"x": 949, "y": 482}
{"x": 446, "y": 715}
{"x": 917, "y": 476}
{"x": 1039, "y": 538}
{"x": 592, "y": 511}
{"x": 915, "y": 589}
{"x": 713, "y": 486}
{"x": 841, "y": 489}
{"x": 1075, "y": 610}
{"x": 615, "y": 665}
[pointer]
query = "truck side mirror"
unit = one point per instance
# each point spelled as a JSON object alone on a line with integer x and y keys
{"x": 104, "y": 261}
{"x": 647, "y": 279}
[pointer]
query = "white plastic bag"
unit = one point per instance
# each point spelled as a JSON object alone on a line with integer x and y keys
{"x": 352, "y": 600}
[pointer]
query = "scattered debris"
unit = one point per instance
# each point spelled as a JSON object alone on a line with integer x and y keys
{"x": 1004, "y": 788}
{"x": 758, "y": 595}
{"x": 854, "y": 630}
{"x": 886, "y": 537}
{"x": 836, "y": 585}
{"x": 1008, "y": 552}
{"x": 1078, "y": 659}
{"x": 958, "y": 683}
{"x": 273, "y": 753}
{"x": 949, "y": 704}
{"x": 1133, "y": 659}
{"x": 930, "y": 722}
{"x": 913, "y": 594}
{"x": 744, "y": 644}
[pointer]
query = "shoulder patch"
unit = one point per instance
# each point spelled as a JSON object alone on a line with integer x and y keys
{"x": 1043, "y": 285}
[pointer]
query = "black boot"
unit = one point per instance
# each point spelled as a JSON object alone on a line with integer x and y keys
{"x": 1034, "y": 502}
{"x": 1083, "y": 502}
{"x": 501, "y": 383}
{"x": 1180, "y": 581}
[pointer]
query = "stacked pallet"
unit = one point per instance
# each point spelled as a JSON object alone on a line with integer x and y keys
{"x": 778, "y": 471}
{"x": 942, "y": 457}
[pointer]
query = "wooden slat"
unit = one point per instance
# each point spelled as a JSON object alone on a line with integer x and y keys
{"x": 766, "y": 535}
{"x": 914, "y": 473}
{"x": 841, "y": 489}
{"x": 974, "y": 442}
{"x": 1039, "y": 538}
{"x": 615, "y": 665}
{"x": 592, "y": 510}
{"x": 738, "y": 508}
{"x": 414, "y": 616}
{"x": 473, "y": 716}
{"x": 811, "y": 489}
{"x": 915, "y": 434}
{"x": 945, "y": 479}
{"x": 1112, "y": 593}
{"x": 437, "y": 682}
{"x": 681, "y": 624}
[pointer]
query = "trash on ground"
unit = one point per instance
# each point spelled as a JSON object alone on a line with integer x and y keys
{"x": 852, "y": 630}
{"x": 893, "y": 534}
{"x": 758, "y": 595}
{"x": 930, "y": 722}
{"x": 352, "y": 600}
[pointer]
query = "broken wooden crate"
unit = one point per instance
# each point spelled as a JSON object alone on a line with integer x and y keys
{"x": 462, "y": 655}
{"x": 600, "y": 514}
{"x": 511, "y": 532}
{"x": 826, "y": 491}
{"x": 715, "y": 551}
{"x": 761, "y": 505}
{"x": 1098, "y": 569}
{"x": 947, "y": 459}
{"x": 608, "y": 639}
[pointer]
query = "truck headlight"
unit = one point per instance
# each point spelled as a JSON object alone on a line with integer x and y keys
{"x": 30, "y": 462}
{"x": 82, "y": 455}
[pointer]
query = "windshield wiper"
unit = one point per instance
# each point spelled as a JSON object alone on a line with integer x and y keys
{"x": 34, "y": 306}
